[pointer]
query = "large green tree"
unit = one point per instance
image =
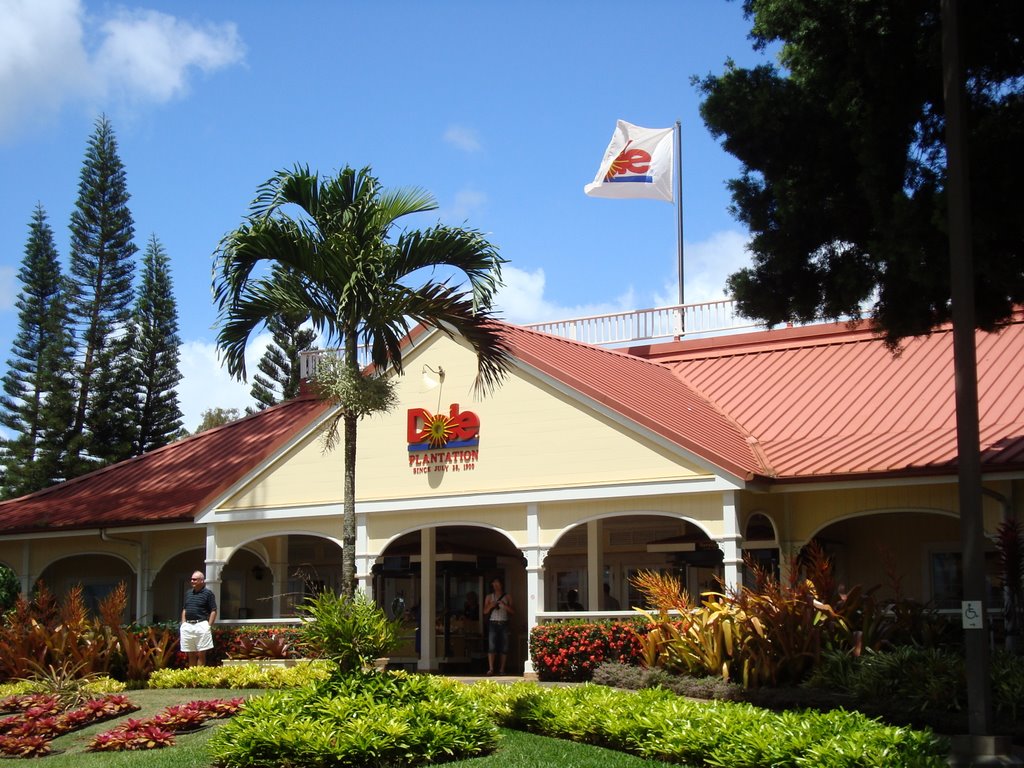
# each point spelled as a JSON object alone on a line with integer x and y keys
{"x": 330, "y": 249}
{"x": 843, "y": 183}
{"x": 102, "y": 268}
{"x": 278, "y": 370}
{"x": 156, "y": 353}
{"x": 36, "y": 402}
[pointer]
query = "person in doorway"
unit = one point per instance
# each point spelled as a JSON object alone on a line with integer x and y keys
{"x": 197, "y": 618}
{"x": 498, "y": 610}
{"x": 573, "y": 601}
{"x": 609, "y": 603}
{"x": 471, "y": 608}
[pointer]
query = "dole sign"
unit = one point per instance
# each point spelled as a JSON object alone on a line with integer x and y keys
{"x": 428, "y": 431}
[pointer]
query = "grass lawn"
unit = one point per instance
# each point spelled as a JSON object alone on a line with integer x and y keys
{"x": 517, "y": 749}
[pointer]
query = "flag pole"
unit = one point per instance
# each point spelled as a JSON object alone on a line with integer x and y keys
{"x": 679, "y": 205}
{"x": 681, "y": 322}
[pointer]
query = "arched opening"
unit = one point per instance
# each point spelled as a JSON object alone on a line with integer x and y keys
{"x": 97, "y": 574}
{"x": 466, "y": 560}
{"x": 627, "y": 544}
{"x": 761, "y": 547}
{"x": 910, "y": 554}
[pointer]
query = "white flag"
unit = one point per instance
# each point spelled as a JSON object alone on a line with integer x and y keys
{"x": 637, "y": 163}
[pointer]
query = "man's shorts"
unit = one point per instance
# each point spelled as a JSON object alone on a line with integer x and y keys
{"x": 196, "y": 637}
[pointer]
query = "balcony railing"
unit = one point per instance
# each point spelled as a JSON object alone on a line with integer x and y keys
{"x": 674, "y": 322}
{"x": 617, "y": 328}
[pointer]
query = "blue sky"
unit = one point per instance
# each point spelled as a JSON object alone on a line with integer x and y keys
{"x": 501, "y": 110}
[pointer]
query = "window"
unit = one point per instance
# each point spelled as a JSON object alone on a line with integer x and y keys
{"x": 946, "y": 574}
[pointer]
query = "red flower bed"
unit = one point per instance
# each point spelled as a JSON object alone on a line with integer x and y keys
{"x": 158, "y": 731}
{"x": 570, "y": 650}
{"x": 28, "y": 733}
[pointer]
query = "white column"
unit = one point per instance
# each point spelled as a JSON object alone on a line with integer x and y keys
{"x": 214, "y": 566}
{"x": 428, "y": 609}
{"x": 535, "y": 555}
{"x": 278, "y": 551}
{"x": 595, "y": 564}
{"x": 364, "y": 562}
{"x": 732, "y": 558}
{"x": 144, "y": 584}
{"x": 26, "y": 569}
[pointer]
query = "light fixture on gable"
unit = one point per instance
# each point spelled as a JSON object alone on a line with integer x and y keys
{"x": 434, "y": 378}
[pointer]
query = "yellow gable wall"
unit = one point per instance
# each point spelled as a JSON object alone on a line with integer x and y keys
{"x": 531, "y": 438}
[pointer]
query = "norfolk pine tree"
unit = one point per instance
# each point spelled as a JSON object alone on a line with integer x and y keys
{"x": 156, "y": 353}
{"x": 278, "y": 377}
{"x": 102, "y": 267}
{"x": 36, "y": 404}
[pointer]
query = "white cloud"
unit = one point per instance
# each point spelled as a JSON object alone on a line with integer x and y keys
{"x": 465, "y": 204}
{"x": 461, "y": 137}
{"x": 205, "y": 383}
{"x": 147, "y": 55}
{"x": 53, "y": 54}
{"x": 521, "y": 300}
{"x": 706, "y": 265}
{"x": 42, "y": 59}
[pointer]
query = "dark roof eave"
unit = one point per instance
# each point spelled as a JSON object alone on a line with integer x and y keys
{"x": 948, "y": 472}
{"x": 106, "y": 525}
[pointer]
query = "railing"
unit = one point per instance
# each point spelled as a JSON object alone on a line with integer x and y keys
{"x": 674, "y": 322}
{"x": 616, "y": 328}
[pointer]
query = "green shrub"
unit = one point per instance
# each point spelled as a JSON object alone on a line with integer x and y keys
{"x": 365, "y": 718}
{"x": 244, "y": 676}
{"x": 1008, "y": 684}
{"x": 350, "y": 631}
{"x": 10, "y": 588}
{"x": 569, "y": 651}
{"x": 918, "y": 679}
{"x": 656, "y": 724}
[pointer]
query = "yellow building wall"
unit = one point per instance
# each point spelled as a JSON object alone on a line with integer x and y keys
{"x": 531, "y": 438}
{"x": 798, "y": 515}
{"x": 705, "y": 509}
{"x": 510, "y": 520}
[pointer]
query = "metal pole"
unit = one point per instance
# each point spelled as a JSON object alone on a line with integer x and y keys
{"x": 972, "y": 534}
{"x": 679, "y": 204}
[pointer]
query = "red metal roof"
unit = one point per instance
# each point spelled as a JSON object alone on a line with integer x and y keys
{"x": 169, "y": 485}
{"x": 646, "y": 393}
{"x": 832, "y": 400}
{"x": 814, "y": 403}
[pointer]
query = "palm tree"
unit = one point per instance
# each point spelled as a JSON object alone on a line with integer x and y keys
{"x": 340, "y": 264}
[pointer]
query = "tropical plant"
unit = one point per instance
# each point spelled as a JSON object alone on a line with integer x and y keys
{"x": 351, "y": 631}
{"x": 340, "y": 264}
